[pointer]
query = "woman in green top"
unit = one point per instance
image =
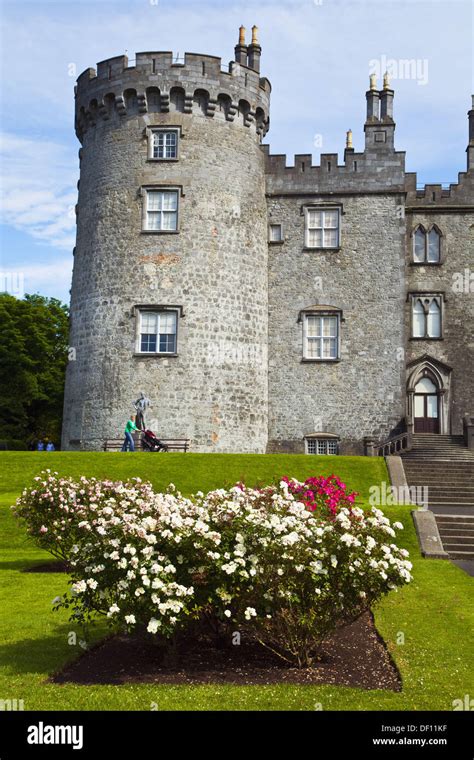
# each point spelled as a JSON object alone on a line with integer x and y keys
{"x": 128, "y": 444}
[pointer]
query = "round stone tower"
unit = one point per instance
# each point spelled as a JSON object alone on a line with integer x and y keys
{"x": 169, "y": 293}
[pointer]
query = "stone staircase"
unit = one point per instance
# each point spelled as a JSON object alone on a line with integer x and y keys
{"x": 443, "y": 465}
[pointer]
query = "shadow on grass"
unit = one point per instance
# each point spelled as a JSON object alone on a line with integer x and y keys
{"x": 43, "y": 655}
{"x": 34, "y": 566}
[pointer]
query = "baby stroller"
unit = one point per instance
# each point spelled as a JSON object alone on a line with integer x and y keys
{"x": 151, "y": 443}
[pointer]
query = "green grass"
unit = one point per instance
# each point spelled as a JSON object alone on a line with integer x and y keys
{"x": 189, "y": 472}
{"x": 433, "y": 616}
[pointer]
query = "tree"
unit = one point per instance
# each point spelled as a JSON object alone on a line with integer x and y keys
{"x": 33, "y": 359}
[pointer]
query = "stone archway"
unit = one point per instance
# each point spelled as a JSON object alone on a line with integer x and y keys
{"x": 431, "y": 378}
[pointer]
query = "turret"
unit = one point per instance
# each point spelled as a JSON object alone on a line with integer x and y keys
{"x": 170, "y": 284}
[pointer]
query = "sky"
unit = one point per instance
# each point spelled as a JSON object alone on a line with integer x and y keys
{"x": 318, "y": 55}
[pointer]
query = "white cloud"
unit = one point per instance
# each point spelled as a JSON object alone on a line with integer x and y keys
{"x": 51, "y": 279}
{"x": 38, "y": 189}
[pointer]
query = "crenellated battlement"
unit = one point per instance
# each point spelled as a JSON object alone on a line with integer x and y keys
{"x": 458, "y": 193}
{"x": 159, "y": 82}
{"x": 360, "y": 172}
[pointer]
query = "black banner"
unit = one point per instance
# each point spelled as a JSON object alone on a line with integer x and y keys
{"x": 135, "y": 734}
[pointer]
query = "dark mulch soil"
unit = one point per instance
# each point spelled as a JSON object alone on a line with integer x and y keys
{"x": 353, "y": 656}
{"x": 49, "y": 567}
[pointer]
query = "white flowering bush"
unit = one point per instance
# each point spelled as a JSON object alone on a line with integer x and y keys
{"x": 257, "y": 561}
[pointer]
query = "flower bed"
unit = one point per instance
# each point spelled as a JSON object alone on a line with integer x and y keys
{"x": 286, "y": 564}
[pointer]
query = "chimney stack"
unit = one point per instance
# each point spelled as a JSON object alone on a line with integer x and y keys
{"x": 241, "y": 50}
{"x": 373, "y": 100}
{"x": 470, "y": 147}
{"x": 254, "y": 51}
{"x": 386, "y": 100}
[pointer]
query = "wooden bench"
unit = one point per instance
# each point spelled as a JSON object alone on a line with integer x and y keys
{"x": 173, "y": 444}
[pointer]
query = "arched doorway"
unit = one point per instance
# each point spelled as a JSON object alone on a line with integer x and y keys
{"x": 432, "y": 398}
{"x": 426, "y": 406}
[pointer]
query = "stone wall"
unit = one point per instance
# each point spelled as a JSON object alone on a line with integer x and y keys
{"x": 363, "y": 393}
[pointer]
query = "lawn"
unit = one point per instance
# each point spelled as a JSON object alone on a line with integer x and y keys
{"x": 426, "y": 625}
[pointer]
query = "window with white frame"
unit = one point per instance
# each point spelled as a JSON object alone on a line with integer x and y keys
{"x": 426, "y": 316}
{"x": 163, "y": 144}
{"x": 426, "y": 246}
{"x": 322, "y": 446}
{"x": 276, "y": 233}
{"x": 157, "y": 332}
{"x": 161, "y": 210}
{"x": 321, "y": 337}
{"x": 322, "y": 227}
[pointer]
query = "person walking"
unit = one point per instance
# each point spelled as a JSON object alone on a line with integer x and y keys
{"x": 130, "y": 427}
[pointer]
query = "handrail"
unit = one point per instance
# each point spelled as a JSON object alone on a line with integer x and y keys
{"x": 391, "y": 446}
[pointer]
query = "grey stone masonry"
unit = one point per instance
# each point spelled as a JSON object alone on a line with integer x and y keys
{"x": 291, "y": 287}
{"x": 213, "y": 270}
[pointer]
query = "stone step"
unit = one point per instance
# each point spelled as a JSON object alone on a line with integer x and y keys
{"x": 463, "y": 485}
{"x": 437, "y": 436}
{"x": 448, "y": 476}
{"x": 460, "y": 554}
{"x": 432, "y": 495}
{"x": 441, "y": 469}
{"x": 439, "y": 503}
{"x": 435, "y": 487}
{"x": 431, "y": 445}
{"x": 447, "y": 493}
{"x": 452, "y": 509}
{"x": 427, "y": 437}
{"x": 416, "y": 456}
{"x": 451, "y": 521}
{"x": 458, "y": 455}
{"x": 458, "y": 542}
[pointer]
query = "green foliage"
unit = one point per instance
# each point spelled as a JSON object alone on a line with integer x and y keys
{"x": 12, "y": 444}
{"x": 427, "y": 625}
{"x": 257, "y": 559}
{"x": 33, "y": 359}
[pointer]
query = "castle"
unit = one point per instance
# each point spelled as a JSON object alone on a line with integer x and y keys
{"x": 261, "y": 307}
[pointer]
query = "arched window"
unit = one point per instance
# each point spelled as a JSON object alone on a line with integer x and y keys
{"x": 224, "y": 103}
{"x": 419, "y": 245}
{"x": 200, "y": 102}
{"x": 426, "y": 245}
{"x": 425, "y": 385}
{"x": 177, "y": 99}
{"x": 419, "y": 320}
{"x": 131, "y": 103}
{"x": 434, "y": 240}
{"x": 153, "y": 99}
{"x": 426, "y": 317}
{"x": 434, "y": 319}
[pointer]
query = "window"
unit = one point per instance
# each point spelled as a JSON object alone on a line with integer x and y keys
{"x": 161, "y": 210}
{"x": 322, "y": 228}
{"x": 426, "y": 317}
{"x": 322, "y": 446}
{"x": 276, "y": 233}
{"x": 321, "y": 337}
{"x": 426, "y": 246}
{"x": 163, "y": 144}
{"x": 158, "y": 332}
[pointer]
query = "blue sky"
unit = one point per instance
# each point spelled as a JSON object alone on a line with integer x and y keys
{"x": 317, "y": 54}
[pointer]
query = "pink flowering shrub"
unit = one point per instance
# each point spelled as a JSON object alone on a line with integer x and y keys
{"x": 325, "y": 495}
{"x": 265, "y": 562}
